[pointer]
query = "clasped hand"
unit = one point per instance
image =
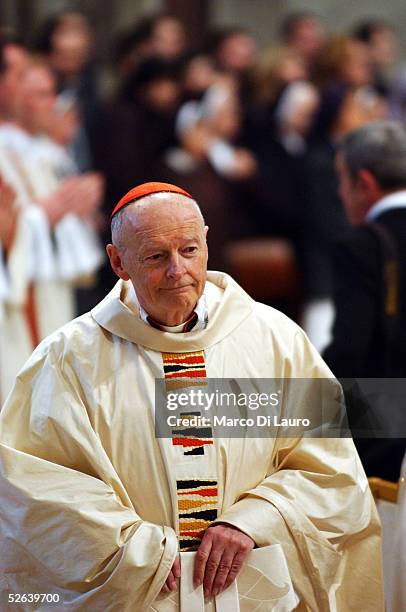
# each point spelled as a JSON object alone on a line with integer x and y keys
{"x": 219, "y": 559}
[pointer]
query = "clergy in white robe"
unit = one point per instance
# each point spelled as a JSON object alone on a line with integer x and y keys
{"x": 94, "y": 507}
{"x": 15, "y": 338}
{"x": 49, "y": 257}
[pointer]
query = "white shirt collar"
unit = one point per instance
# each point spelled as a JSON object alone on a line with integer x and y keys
{"x": 201, "y": 310}
{"x": 393, "y": 200}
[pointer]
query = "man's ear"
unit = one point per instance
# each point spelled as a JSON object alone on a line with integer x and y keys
{"x": 115, "y": 261}
{"x": 206, "y": 229}
{"x": 368, "y": 185}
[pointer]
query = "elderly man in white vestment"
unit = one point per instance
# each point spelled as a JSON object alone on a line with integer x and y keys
{"x": 98, "y": 513}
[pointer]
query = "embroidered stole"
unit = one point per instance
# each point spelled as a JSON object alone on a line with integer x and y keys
{"x": 195, "y": 462}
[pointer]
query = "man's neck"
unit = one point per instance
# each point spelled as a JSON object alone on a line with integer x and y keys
{"x": 197, "y": 319}
{"x": 173, "y": 321}
{"x": 186, "y": 326}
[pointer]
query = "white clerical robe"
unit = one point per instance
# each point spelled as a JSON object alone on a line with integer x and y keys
{"x": 88, "y": 507}
{"x": 34, "y": 168}
{"x": 399, "y": 586}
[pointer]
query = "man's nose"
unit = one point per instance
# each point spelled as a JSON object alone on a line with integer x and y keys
{"x": 175, "y": 267}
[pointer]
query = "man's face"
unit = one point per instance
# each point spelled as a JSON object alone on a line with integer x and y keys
{"x": 238, "y": 52}
{"x": 16, "y": 60}
{"x": 383, "y": 47}
{"x": 37, "y": 99}
{"x": 308, "y": 37}
{"x": 164, "y": 253}
{"x": 162, "y": 95}
{"x": 71, "y": 45}
{"x": 168, "y": 39}
{"x": 350, "y": 192}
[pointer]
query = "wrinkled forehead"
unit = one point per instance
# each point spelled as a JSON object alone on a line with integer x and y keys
{"x": 163, "y": 211}
{"x": 160, "y": 219}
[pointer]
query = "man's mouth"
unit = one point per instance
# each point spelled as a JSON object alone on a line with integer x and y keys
{"x": 177, "y": 289}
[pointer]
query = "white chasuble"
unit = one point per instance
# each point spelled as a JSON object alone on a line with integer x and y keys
{"x": 94, "y": 506}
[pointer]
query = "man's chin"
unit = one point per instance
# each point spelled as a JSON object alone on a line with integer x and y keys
{"x": 175, "y": 302}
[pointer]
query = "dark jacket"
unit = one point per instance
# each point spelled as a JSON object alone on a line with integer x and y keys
{"x": 364, "y": 345}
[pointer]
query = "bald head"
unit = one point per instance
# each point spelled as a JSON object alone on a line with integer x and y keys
{"x": 147, "y": 212}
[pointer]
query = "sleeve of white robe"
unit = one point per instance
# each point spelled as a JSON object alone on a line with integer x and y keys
{"x": 66, "y": 524}
{"x": 17, "y": 266}
{"x": 316, "y": 502}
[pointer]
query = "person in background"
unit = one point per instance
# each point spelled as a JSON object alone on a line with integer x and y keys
{"x": 347, "y": 101}
{"x": 344, "y": 60}
{"x": 198, "y": 74}
{"x": 55, "y": 247}
{"x": 66, "y": 42}
{"x": 369, "y": 333}
{"x": 235, "y": 52}
{"x": 233, "y": 49}
{"x": 380, "y": 40}
{"x": 304, "y": 33}
{"x": 276, "y": 68}
{"x": 276, "y": 131}
{"x": 210, "y": 161}
{"x": 168, "y": 38}
{"x": 138, "y": 126}
{"x": 161, "y": 35}
{"x": 279, "y": 139}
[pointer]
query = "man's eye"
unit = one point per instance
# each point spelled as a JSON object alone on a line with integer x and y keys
{"x": 154, "y": 257}
{"x": 190, "y": 249}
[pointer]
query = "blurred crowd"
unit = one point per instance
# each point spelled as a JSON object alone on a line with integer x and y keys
{"x": 250, "y": 133}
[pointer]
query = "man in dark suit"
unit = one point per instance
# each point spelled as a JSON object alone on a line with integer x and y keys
{"x": 369, "y": 334}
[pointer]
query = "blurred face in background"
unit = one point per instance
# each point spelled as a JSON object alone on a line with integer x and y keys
{"x": 291, "y": 69}
{"x": 307, "y": 37}
{"x": 382, "y": 47}
{"x": 71, "y": 45}
{"x": 356, "y": 66}
{"x": 36, "y": 99}
{"x": 237, "y": 53}
{"x": 344, "y": 61}
{"x": 359, "y": 107}
{"x": 168, "y": 39}
{"x": 199, "y": 74}
{"x": 278, "y": 67}
{"x": 16, "y": 61}
{"x": 162, "y": 95}
{"x": 224, "y": 115}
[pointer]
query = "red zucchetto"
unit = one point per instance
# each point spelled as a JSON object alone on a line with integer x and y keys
{"x": 147, "y": 189}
